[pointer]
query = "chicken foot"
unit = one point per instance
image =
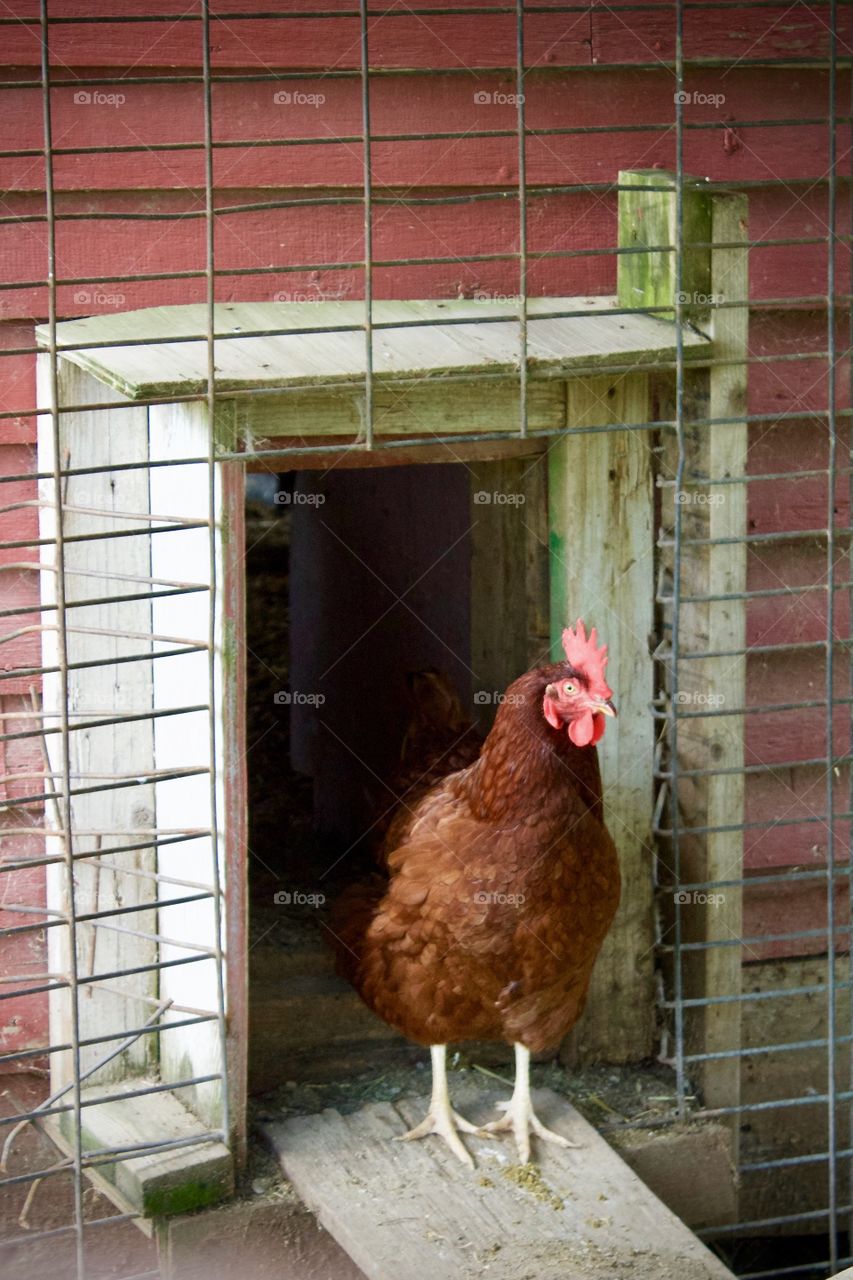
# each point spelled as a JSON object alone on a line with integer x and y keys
{"x": 519, "y": 1114}
{"x": 441, "y": 1119}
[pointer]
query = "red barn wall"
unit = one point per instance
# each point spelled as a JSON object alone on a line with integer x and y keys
{"x": 602, "y": 69}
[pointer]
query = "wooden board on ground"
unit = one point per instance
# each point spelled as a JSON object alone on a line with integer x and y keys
{"x": 157, "y": 1182}
{"x": 414, "y": 1212}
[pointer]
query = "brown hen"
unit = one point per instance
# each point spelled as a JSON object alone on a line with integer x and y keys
{"x": 501, "y": 886}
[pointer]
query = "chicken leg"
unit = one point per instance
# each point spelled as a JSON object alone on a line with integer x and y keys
{"x": 441, "y": 1118}
{"x": 520, "y": 1116}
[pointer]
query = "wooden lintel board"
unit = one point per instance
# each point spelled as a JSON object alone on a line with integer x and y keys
{"x": 412, "y": 1211}
{"x": 156, "y": 366}
{"x": 350, "y": 458}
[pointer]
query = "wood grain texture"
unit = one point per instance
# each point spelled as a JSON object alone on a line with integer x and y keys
{"x": 402, "y": 40}
{"x": 157, "y": 1183}
{"x": 647, "y": 222}
{"x": 347, "y": 458}
{"x": 310, "y": 130}
{"x": 707, "y": 741}
{"x": 95, "y": 569}
{"x": 760, "y": 34}
{"x": 413, "y": 1212}
{"x": 235, "y": 815}
{"x": 192, "y": 740}
{"x": 600, "y": 512}
{"x": 723, "y": 627}
{"x": 429, "y": 349}
{"x": 417, "y": 410}
{"x": 474, "y": 246}
{"x": 398, "y": 39}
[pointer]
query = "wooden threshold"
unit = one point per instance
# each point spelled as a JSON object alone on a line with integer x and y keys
{"x": 413, "y": 1212}
{"x": 154, "y": 1184}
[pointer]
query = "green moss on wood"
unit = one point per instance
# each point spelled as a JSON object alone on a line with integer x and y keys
{"x": 183, "y": 1197}
{"x": 225, "y": 427}
{"x": 647, "y": 218}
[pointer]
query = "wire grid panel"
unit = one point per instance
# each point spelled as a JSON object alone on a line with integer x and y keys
{"x": 140, "y": 653}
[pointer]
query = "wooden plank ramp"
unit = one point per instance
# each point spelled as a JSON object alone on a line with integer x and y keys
{"x": 412, "y": 1211}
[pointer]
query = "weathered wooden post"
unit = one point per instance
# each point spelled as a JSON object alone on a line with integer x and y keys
{"x": 706, "y": 681}
{"x": 603, "y": 568}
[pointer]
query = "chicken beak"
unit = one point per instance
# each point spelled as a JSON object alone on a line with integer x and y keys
{"x": 606, "y": 708}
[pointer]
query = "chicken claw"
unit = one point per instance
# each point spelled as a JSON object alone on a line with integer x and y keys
{"x": 519, "y": 1115}
{"x": 446, "y": 1123}
{"x": 441, "y": 1119}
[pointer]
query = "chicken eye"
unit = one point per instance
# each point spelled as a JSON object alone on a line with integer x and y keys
{"x": 569, "y": 688}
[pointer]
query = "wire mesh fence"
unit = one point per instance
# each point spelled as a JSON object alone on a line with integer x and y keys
{"x": 467, "y": 154}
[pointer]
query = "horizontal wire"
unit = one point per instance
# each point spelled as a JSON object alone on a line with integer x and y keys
{"x": 660, "y": 64}
{"x": 25, "y": 864}
{"x": 89, "y": 916}
{"x": 103, "y": 723}
{"x": 679, "y": 710}
{"x": 761, "y": 940}
{"x": 106, "y": 535}
{"x": 144, "y": 780}
{"x": 112, "y": 1155}
{"x": 116, "y": 661}
{"x": 697, "y": 356}
{"x": 810, "y": 1215}
{"x": 99, "y": 978}
{"x": 354, "y": 139}
{"x": 32, "y": 1237}
{"x": 787, "y": 1162}
{"x": 784, "y": 876}
{"x": 301, "y": 268}
{"x": 756, "y": 1051}
{"x": 747, "y": 997}
{"x": 45, "y": 1113}
{"x": 462, "y": 11}
{"x": 492, "y": 314}
{"x": 95, "y": 601}
{"x": 46, "y": 1050}
{"x": 766, "y": 824}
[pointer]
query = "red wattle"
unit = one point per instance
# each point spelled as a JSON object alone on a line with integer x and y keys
{"x": 582, "y": 730}
{"x": 600, "y": 725}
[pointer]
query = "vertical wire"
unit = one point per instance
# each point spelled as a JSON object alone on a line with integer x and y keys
{"x": 832, "y": 1142}
{"x": 849, "y": 656}
{"x": 522, "y": 218}
{"x": 678, "y": 977}
{"x": 65, "y": 809}
{"x": 367, "y": 181}
{"x": 210, "y": 281}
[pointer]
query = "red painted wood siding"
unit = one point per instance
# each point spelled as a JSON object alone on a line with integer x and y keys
{"x": 617, "y": 86}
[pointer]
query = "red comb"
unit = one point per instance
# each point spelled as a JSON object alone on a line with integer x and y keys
{"x": 587, "y": 658}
